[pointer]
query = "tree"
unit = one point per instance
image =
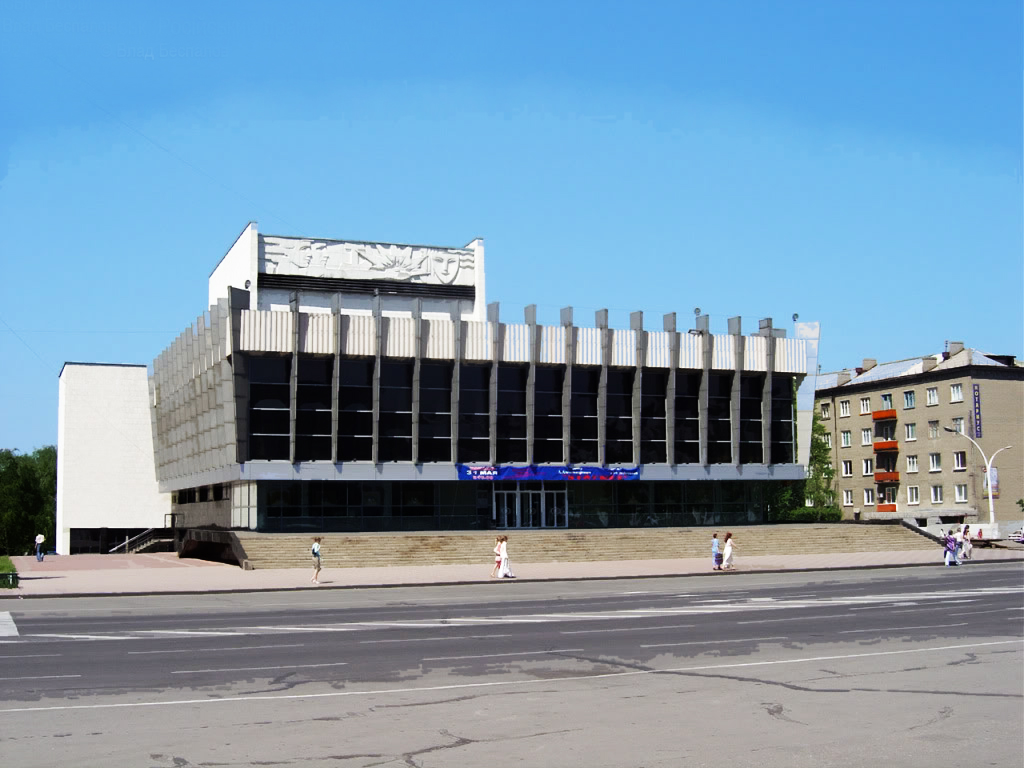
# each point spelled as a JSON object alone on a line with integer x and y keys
{"x": 820, "y": 489}
{"x": 28, "y": 498}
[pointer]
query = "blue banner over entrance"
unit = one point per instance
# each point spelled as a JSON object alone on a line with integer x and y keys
{"x": 469, "y": 472}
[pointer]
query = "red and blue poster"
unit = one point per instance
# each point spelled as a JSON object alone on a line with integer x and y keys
{"x": 474, "y": 472}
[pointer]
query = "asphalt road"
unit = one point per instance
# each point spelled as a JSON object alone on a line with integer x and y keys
{"x": 904, "y": 666}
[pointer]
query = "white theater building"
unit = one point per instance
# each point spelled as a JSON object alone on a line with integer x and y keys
{"x": 352, "y": 386}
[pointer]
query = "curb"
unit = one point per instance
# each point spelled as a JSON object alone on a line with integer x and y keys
{"x": 566, "y": 579}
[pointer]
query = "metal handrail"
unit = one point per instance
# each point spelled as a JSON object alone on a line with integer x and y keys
{"x": 128, "y": 542}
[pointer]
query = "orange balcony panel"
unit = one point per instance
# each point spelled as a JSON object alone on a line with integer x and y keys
{"x": 887, "y": 477}
{"x": 886, "y": 445}
{"x": 886, "y": 507}
{"x": 888, "y": 413}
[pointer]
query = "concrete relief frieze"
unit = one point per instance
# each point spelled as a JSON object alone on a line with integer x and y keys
{"x": 367, "y": 261}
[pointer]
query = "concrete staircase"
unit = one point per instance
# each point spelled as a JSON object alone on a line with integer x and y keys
{"x": 362, "y": 550}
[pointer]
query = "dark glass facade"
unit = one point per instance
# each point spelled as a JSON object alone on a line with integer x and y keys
{"x": 303, "y": 506}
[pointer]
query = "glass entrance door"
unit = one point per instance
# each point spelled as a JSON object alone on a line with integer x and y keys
{"x": 531, "y": 508}
{"x": 556, "y": 510}
{"x": 506, "y": 509}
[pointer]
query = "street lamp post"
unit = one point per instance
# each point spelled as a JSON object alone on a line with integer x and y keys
{"x": 988, "y": 471}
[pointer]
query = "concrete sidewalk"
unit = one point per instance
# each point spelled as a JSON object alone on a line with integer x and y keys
{"x": 76, "y": 575}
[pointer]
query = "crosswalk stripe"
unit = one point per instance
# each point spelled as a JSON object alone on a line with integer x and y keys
{"x": 7, "y": 626}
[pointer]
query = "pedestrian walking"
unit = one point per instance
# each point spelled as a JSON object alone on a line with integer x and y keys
{"x": 950, "y": 551}
{"x": 317, "y": 561}
{"x": 730, "y": 545}
{"x": 40, "y": 553}
{"x": 959, "y": 536}
{"x": 505, "y": 571}
{"x": 497, "y": 557}
{"x": 968, "y": 547}
{"x": 716, "y": 553}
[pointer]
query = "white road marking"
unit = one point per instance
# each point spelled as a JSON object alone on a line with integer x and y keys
{"x": 797, "y": 618}
{"x": 900, "y": 629}
{"x": 257, "y": 669}
{"x": 422, "y": 639}
{"x": 919, "y": 610}
{"x": 7, "y": 626}
{"x": 188, "y": 632}
{"x": 309, "y": 628}
{"x": 505, "y": 683}
{"x": 714, "y": 642}
{"x": 86, "y": 637}
{"x": 200, "y": 650}
{"x": 31, "y": 656}
{"x": 623, "y": 629}
{"x": 39, "y": 677}
{"x": 704, "y": 607}
{"x": 503, "y": 655}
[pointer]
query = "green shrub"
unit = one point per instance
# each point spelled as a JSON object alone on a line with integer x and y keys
{"x": 808, "y": 515}
{"x": 6, "y": 566}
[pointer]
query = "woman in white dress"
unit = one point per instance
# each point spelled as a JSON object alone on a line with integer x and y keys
{"x": 727, "y": 554}
{"x": 505, "y": 572}
{"x": 966, "y": 546}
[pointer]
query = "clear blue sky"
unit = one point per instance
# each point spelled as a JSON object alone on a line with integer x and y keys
{"x": 859, "y": 163}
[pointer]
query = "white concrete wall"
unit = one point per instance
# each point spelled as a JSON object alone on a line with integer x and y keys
{"x": 810, "y": 335}
{"x": 106, "y": 475}
{"x": 238, "y": 265}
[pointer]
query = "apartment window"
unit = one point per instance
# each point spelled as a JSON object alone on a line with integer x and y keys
{"x": 911, "y": 463}
{"x": 865, "y": 405}
{"x": 826, "y": 411}
{"x": 869, "y": 467}
{"x": 960, "y": 491}
{"x": 932, "y": 396}
{"x": 910, "y": 431}
{"x": 844, "y": 438}
{"x": 956, "y": 393}
{"x": 958, "y": 424}
{"x": 847, "y": 498}
{"x": 828, "y": 440}
{"x": 847, "y": 468}
{"x": 934, "y": 462}
{"x": 936, "y": 494}
{"x": 844, "y": 408}
{"x": 886, "y": 402}
{"x": 933, "y": 429}
{"x": 959, "y": 461}
{"x": 913, "y": 494}
{"x": 909, "y": 399}
{"x": 865, "y": 437}
{"x": 869, "y": 497}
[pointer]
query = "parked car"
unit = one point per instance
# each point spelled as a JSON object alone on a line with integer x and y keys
{"x": 1018, "y": 536}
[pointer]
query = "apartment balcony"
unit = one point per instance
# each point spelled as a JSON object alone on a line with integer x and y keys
{"x": 887, "y": 508}
{"x": 886, "y": 415}
{"x": 887, "y": 477}
{"x": 883, "y": 446}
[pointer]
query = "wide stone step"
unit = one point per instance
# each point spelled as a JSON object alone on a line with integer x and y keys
{"x": 425, "y": 548}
